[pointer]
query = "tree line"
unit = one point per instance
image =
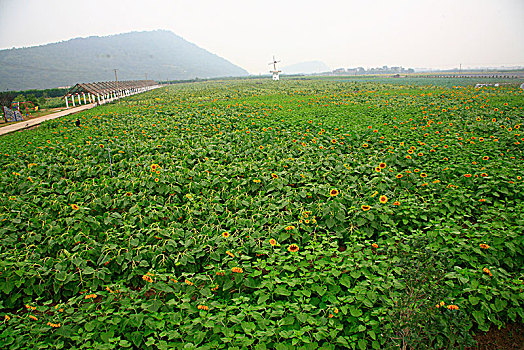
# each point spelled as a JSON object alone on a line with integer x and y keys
{"x": 37, "y": 97}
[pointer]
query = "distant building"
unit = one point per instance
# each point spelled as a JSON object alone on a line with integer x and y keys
{"x": 377, "y": 70}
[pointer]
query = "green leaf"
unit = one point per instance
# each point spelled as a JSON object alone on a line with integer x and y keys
{"x": 251, "y": 283}
{"x": 499, "y": 305}
{"x": 281, "y": 290}
{"x": 473, "y": 300}
{"x": 479, "y": 316}
{"x": 228, "y": 284}
{"x": 88, "y": 270}
{"x": 90, "y": 326}
{"x": 105, "y": 336}
{"x": 262, "y": 298}
{"x": 355, "y": 274}
{"x": 362, "y": 344}
{"x": 124, "y": 343}
{"x": 320, "y": 290}
{"x": 136, "y": 338}
{"x": 7, "y": 286}
{"x": 248, "y": 327}
{"x": 342, "y": 341}
{"x": 354, "y": 311}
{"x": 345, "y": 281}
{"x": 61, "y": 276}
{"x": 288, "y": 320}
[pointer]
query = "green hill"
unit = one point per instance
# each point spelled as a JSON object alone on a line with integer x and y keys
{"x": 160, "y": 54}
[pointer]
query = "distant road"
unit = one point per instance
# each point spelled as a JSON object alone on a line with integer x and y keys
{"x": 36, "y": 121}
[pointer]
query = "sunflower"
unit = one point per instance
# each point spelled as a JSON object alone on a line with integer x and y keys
{"x": 147, "y": 278}
{"x": 293, "y": 248}
{"x": 396, "y": 203}
{"x": 154, "y": 167}
{"x": 261, "y": 147}
{"x": 157, "y": 179}
{"x": 273, "y": 242}
{"x": 101, "y": 146}
{"x": 382, "y": 165}
{"x": 485, "y": 158}
{"x": 399, "y": 176}
{"x": 365, "y": 145}
{"x": 378, "y": 169}
{"x": 365, "y": 207}
{"x": 129, "y": 194}
{"x": 333, "y": 141}
{"x": 274, "y": 176}
{"x": 75, "y": 207}
{"x": 383, "y": 199}
{"x": 334, "y": 193}
{"x": 423, "y": 175}
{"x": 225, "y": 234}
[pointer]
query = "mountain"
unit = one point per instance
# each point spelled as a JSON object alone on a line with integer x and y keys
{"x": 160, "y": 54}
{"x": 306, "y": 68}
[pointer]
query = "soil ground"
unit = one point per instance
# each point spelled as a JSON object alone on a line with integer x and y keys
{"x": 510, "y": 337}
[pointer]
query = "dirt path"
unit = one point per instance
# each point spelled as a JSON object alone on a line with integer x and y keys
{"x": 36, "y": 121}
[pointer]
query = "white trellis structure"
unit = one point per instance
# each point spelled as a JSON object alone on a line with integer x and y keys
{"x": 108, "y": 91}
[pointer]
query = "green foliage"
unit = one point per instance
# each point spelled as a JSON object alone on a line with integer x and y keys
{"x": 260, "y": 214}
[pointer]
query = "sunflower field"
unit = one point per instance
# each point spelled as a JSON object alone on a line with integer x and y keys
{"x": 254, "y": 214}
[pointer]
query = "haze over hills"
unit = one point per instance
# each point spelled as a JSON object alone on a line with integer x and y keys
{"x": 310, "y": 67}
{"x": 160, "y": 54}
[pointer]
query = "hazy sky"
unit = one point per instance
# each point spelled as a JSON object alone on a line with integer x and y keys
{"x": 351, "y": 33}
